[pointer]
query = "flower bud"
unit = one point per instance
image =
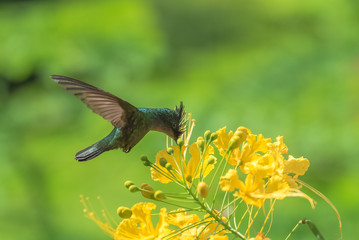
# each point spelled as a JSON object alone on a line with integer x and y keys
{"x": 147, "y": 191}
{"x": 168, "y": 166}
{"x": 234, "y": 142}
{"x": 202, "y": 189}
{"x": 242, "y": 133}
{"x": 159, "y": 195}
{"x": 207, "y": 135}
{"x": 170, "y": 151}
{"x": 213, "y": 137}
{"x": 200, "y": 143}
{"x": 124, "y": 212}
{"x": 189, "y": 178}
{"x": 128, "y": 184}
{"x": 180, "y": 142}
{"x": 163, "y": 162}
{"x": 133, "y": 188}
{"x": 211, "y": 159}
{"x": 145, "y": 160}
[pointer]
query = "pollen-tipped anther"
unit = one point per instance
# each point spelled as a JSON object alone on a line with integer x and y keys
{"x": 145, "y": 161}
{"x": 133, "y": 188}
{"x": 180, "y": 142}
{"x": 124, "y": 212}
{"x": 128, "y": 184}
{"x": 159, "y": 195}
{"x": 211, "y": 159}
{"x": 168, "y": 166}
{"x": 169, "y": 151}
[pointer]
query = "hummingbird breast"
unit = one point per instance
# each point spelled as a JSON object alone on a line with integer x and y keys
{"x": 137, "y": 126}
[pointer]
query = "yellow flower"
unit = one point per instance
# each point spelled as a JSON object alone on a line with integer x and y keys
{"x": 218, "y": 237}
{"x": 267, "y": 160}
{"x": 211, "y": 228}
{"x": 230, "y": 181}
{"x": 262, "y": 166}
{"x": 191, "y": 170}
{"x": 277, "y": 188}
{"x": 203, "y": 231}
{"x": 223, "y": 143}
{"x": 181, "y": 219}
{"x": 140, "y": 225}
{"x": 250, "y": 150}
{"x": 298, "y": 166}
{"x": 260, "y": 236}
{"x": 250, "y": 189}
{"x": 282, "y": 186}
{"x": 247, "y": 191}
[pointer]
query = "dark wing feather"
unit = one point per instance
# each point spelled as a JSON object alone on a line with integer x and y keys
{"x": 108, "y": 106}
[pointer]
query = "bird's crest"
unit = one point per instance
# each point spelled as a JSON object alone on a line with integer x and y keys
{"x": 181, "y": 121}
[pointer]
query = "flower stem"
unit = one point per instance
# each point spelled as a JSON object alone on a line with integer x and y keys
{"x": 219, "y": 220}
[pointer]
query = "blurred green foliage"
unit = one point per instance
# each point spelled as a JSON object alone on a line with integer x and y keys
{"x": 278, "y": 67}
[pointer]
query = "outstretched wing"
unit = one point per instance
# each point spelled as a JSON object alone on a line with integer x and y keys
{"x": 108, "y": 106}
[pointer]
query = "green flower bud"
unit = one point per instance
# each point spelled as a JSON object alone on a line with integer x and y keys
{"x": 144, "y": 158}
{"x": 168, "y": 166}
{"x": 159, "y": 195}
{"x": 133, "y": 188}
{"x": 145, "y": 161}
{"x": 211, "y": 159}
{"x": 189, "y": 178}
{"x": 180, "y": 142}
{"x": 207, "y": 135}
{"x": 234, "y": 142}
{"x": 170, "y": 151}
{"x": 200, "y": 143}
{"x": 163, "y": 162}
{"x": 147, "y": 164}
{"x": 202, "y": 189}
{"x": 213, "y": 137}
{"x": 128, "y": 184}
{"x": 124, "y": 212}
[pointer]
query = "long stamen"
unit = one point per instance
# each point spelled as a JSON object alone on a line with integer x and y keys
{"x": 266, "y": 219}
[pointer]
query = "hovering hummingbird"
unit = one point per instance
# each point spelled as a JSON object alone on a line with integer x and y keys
{"x": 130, "y": 123}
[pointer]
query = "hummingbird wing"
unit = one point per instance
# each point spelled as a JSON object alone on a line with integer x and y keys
{"x": 113, "y": 109}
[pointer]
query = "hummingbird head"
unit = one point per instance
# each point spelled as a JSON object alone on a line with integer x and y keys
{"x": 170, "y": 122}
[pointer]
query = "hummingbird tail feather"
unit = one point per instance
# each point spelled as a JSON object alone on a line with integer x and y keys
{"x": 89, "y": 153}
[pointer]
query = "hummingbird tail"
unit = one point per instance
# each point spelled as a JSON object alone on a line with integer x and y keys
{"x": 89, "y": 152}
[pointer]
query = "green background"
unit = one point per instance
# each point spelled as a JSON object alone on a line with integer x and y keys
{"x": 278, "y": 67}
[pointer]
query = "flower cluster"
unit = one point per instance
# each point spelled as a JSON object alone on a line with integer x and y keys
{"x": 223, "y": 178}
{"x": 268, "y": 175}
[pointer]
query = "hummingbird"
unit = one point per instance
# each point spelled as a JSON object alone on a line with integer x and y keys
{"x": 130, "y": 123}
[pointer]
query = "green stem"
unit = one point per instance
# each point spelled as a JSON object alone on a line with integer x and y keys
{"x": 224, "y": 167}
{"x": 215, "y": 216}
{"x": 181, "y": 230}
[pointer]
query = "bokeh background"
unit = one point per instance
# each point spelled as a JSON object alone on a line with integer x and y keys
{"x": 278, "y": 67}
